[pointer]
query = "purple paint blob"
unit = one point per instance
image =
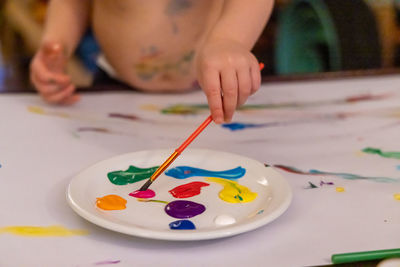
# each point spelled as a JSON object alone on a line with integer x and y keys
{"x": 143, "y": 194}
{"x": 183, "y": 209}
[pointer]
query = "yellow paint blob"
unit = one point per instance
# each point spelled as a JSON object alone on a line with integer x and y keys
{"x": 37, "y": 110}
{"x": 39, "y": 231}
{"x": 111, "y": 202}
{"x": 397, "y": 196}
{"x": 233, "y": 192}
{"x": 150, "y": 107}
{"x": 339, "y": 189}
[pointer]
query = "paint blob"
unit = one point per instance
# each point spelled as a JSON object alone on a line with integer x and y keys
{"x": 111, "y": 202}
{"x": 107, "y": 262}
{"x": 339, "y": 189}
{"x": 233, "y": 192}
{"x": 132, "y": 175}
{"x": 143, "y": 194}
{"x": 311, "y": 186}
{"x": 397, "y": 196}
{"x": 183, "y": 209}
{"x": 224, "y": 219}
{"x": 183, "y": 172}
{"x": 41, "y": 231}
{"x": 385, "y": 154}
{"x": 182, "y": 225}
{"x": 237, "y": 126}
{"x": 188, "y": 190}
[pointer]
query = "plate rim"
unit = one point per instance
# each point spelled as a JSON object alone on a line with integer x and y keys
{"x": 181, "y": 236}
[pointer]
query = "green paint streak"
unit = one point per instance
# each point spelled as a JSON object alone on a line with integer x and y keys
{"x": 152, "y": 200}
{"x": 131, "y": 175}
{"x": 385, "y": 154}
{"x": 312, "y": 185}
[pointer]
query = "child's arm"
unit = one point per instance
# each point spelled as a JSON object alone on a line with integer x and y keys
{"x": 225, "y": 65}
{"x": 65, "y": 24}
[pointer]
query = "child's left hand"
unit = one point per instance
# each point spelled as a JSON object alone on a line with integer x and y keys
{"x": 228, "y": 74}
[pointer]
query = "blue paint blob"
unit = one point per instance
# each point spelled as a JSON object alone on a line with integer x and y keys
{"x": 182, "y": 225}
{"x": 398, "y": 167}
{"x": 237, "y": 126}
{"x": 183, "y": 172}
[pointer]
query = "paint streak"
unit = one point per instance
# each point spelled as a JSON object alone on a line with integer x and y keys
{"x": 143, "y": 194}
{"x": 183, "y": 209}
{"x": 325, "y": 183}
{"x": 42, "y": 231}
{"x": 340, "y": 189}
{"x": 397, "y": 167}
{"x": 237, "y": 126}
{"x": 132, "y": 175}
{"x": 94, "y": 129}
{"x": 185, "y": 109}
{"x": 233, "y": 192}
{"x": 183, "y": 172}
{"x": 377, "y": 151}
{"x": 42, "y": 111}
{"x": 348, "y": 176}
{"x": 397, "y": 196}
{"x": 111, "y": 202}
{"x": 124, "y": 116}
{"x": 107, "y": 262}
{"x": 152, "y": 200}
{"x": 182, "y": 225}
{"x": 188, "y": 190}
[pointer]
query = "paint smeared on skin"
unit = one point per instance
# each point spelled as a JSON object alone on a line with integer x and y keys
{"x": 188, "y": 190}
{"x": 132, "y": 175}
{"x": 183, "y": 172}
{"x": 42, "y": 231}
{"x": 224, "y": 219}
{"x": 182, "y": 225}
{"x": 107, "y": 262}
{"x": 385, "y": 154}
{"x": 233, "y": 192}
{"x": 183, "y": 209}
{"x": 111, "y": 202}
{"x": 397, "y": 196}
{"x": 340, "y": 189}
{"x": 348, "y": 176}
{"x": 124, "y": 116}
{"x": 143, "y": 194}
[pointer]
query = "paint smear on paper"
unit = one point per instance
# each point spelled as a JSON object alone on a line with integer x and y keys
{"x": 42, "y": 111}
{"x": 188, "y": 190}
{"x": 233, "y": 192}
{"x": 143, "y": 194}
{"x": 182, "y": 225}
{"x": 132, "y": 175}
{"x": 348, "y": 176}
{"x": 183, "y": 172}
{"x": 397, "y": 196}
{"x": 325, "y": 183}
{"x": 111, "y": 202}
{"x": 311, "y": 186}
{"x": 385, "y": 154}
{"x": 107, "y": 262}
{"x": 42, "y": 231}
{"x": 130, "y": 117}
{"x": 340, "y": 189}
{"x": 183, "y": 209}
{"x": 94, "y": 129}
{"x": 237, "y": 126}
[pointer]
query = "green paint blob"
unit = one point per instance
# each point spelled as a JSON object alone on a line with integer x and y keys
{"x": 132, "y": 175}
{"x": 391, "y": 154}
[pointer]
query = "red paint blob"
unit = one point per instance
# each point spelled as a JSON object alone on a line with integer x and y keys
{"x": 188, "y": 190}
{"x": 143, "y": 194}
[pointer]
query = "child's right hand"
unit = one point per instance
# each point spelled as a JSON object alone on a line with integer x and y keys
{"x": 47, "y": 73}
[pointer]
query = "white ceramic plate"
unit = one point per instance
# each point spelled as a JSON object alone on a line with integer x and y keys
{"x": 149, "y": 220}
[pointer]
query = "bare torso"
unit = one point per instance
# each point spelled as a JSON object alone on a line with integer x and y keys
{"x": 152, "y": 44}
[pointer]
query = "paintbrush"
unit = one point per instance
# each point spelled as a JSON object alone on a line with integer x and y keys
{"x": 177, "y": 152}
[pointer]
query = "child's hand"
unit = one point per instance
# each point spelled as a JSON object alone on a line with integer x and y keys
{"x": 228, "y": 74}
{"x": 47, "y": 73}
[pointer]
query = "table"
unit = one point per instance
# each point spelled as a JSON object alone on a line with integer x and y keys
{"x": 307, "y": 125}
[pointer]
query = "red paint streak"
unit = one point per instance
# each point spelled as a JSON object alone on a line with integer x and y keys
{"x": 366, "y": 97}
{"x": 188, "y": 190}
{"x": 290, "y": 169}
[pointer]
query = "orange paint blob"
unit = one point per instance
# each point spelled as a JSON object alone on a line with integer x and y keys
{"x": 111, "y": 202}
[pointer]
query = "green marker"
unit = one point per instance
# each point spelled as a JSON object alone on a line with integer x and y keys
{"x": 365, "y": 256}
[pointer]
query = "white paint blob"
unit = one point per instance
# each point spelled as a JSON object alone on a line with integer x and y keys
{"x": 224, "y": 219}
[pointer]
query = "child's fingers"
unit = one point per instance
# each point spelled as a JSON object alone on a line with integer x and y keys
{"x": 44, "y": 75}
{"x": 212, "y": 87}
{"x": 71, "y": 99}
{"x": 229, "y": 83}
{"x": 60, "y": 96}
{"x": 255, "y": 76}
{"x": 46, "y": 88}
{"x": 245, "y": 85}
